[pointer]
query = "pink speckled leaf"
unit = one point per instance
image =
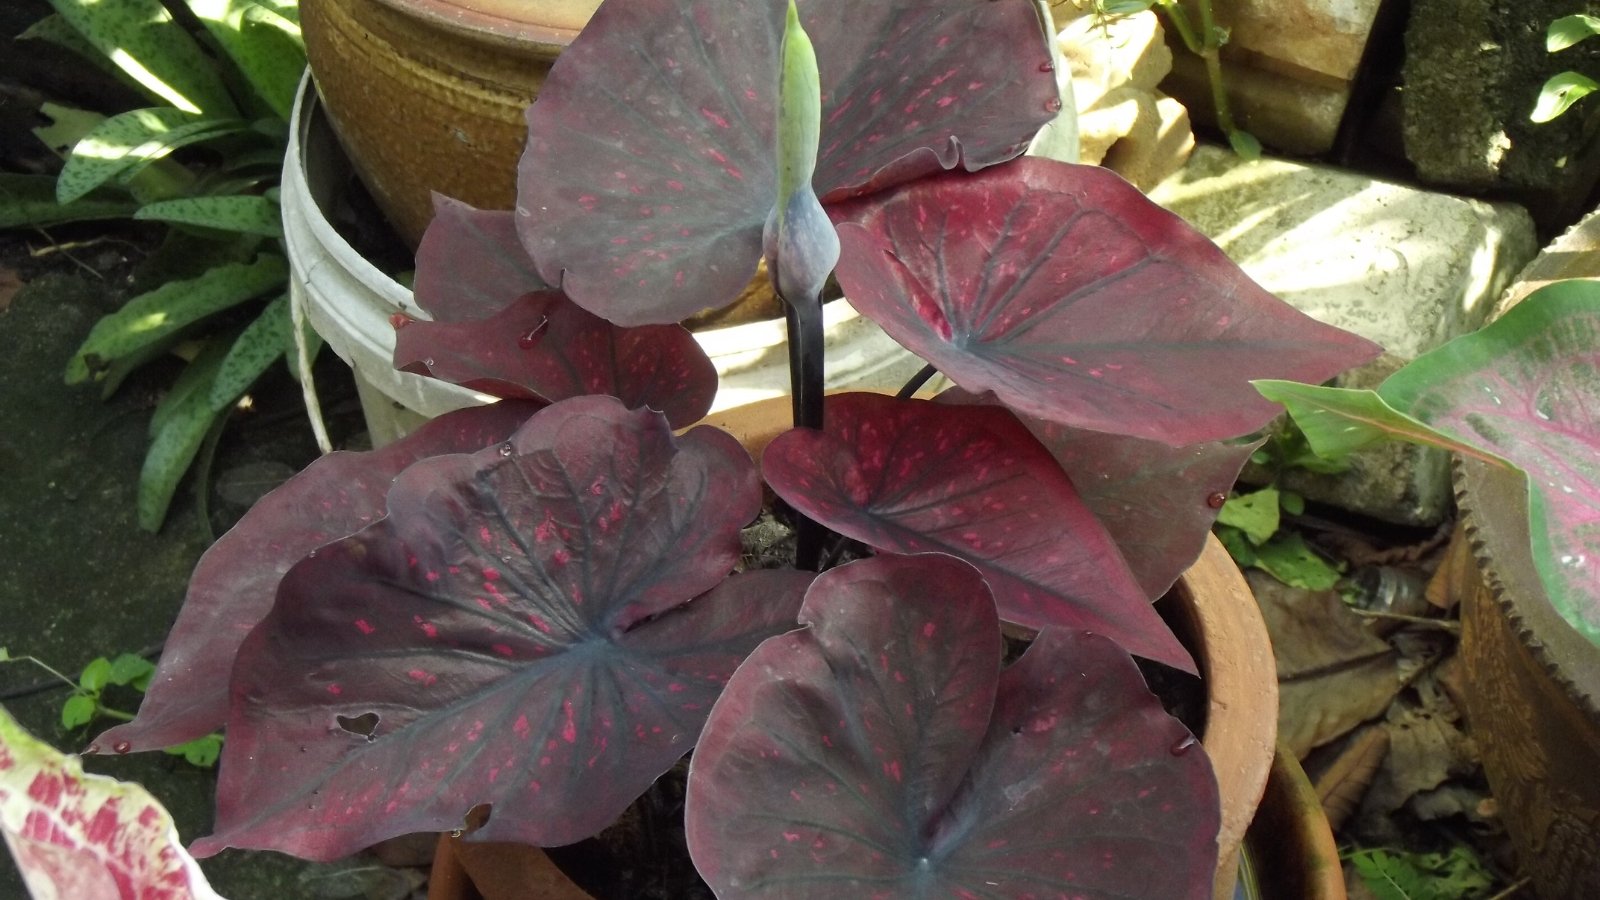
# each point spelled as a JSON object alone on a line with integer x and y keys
{"x": 544, "y": 347}
{"x": 882, "y": 753}
{"x": 1076, "y": 300}
{"x": 911, "y": 476}
{"x": 1527, "y": 389}
{"x": 649, "y": 170}
{"x": 541, "y": 626}
{"x": 470, "y": 264}
{"x": 1154, "y": 500}
{"x": 233, "y": 585}
{"x": 87, "y": 837}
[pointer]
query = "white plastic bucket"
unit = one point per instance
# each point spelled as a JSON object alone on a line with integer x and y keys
{"x": 349, "y": 302}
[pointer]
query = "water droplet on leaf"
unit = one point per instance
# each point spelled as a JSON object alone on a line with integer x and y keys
{"x": 1052, "y": 105}
{"x": 506, "y": 449}
{"x": 1183, "y": 746}
{"x": 121, "y": 747}
{"x": 1047, "y": 66}
{"x": 1216, "y": 499}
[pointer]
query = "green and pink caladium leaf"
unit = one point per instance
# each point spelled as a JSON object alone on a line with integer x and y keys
{"x": 882, "y": 752}
{"x": 87, "y": 837}
{"x": 1524, "y": 390}
{"x": 913, "y": 476}
{"x": 233, "y": 586}
{"x": 499, "y": 329}
{"x": 1157, "y": 502}
{"x": 650, "y": 173}
{"x": 1076, "y": 300}
{"x": 541, "y": 626}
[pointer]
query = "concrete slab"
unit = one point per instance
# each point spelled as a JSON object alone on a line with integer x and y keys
{"x": 1406, "y": 268}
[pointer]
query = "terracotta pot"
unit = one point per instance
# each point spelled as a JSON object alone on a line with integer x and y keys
{"x": 1214, "y": 614}
{"x": 1532, "y": 691}
{"x": 428, "y": 95}
{"x": 1290, "y": 848}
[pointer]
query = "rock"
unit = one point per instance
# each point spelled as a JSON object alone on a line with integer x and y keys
{"x": 1473, "y": 70}
{"x": 1403, "y": 267}
{"x": 1289, "y": 66}
{"x": 1124, "y": 123}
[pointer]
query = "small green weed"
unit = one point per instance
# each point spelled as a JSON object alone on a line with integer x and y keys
{"x": 86, "y": 704}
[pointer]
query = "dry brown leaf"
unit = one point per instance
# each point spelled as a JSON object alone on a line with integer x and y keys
{"x": 10, "y": 283}
{"x": 1457, "y": 574}
{"x": 1426, "y": 748}
{"x": 1345, "y": 782}
{"x": 1333, "y": 674}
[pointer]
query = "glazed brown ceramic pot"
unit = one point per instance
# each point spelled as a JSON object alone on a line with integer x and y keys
{"x": 1532, "y": 693}
{"x": 428, "y": 95}
{"x": 1214, "y": 614}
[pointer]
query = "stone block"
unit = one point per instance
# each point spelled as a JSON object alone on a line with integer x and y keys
{"x": 1406, "y": 268}
{"x": 1289, "y": 66}
{"x": 1473, "y": 69}
{"x": 1123, "y": 122}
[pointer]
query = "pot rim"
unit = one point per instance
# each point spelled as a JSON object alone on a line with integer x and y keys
{"x": 1494, "y": 507}
{"x": 529, "y": 29}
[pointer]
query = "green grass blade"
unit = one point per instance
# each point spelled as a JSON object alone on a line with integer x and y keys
{"x": 152, "y": 317}
{"x": 123, "y": 144}
{"x": 247, "y": 215}
{"x": 142, "y": 38}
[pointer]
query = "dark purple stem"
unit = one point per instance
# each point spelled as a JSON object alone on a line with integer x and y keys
{"x": 806, "y": 387}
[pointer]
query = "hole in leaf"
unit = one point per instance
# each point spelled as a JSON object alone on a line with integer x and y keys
{"x": 365, "y": 725}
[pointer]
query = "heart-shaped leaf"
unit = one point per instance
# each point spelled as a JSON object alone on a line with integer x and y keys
{"x": 233, "y": 586}
{"x": 518, "y": 631}
{"x": 544, "y": 347}
{"x": 1523, "y": 389}
{"x": 87, "y": 837}
{"x": 470, "y": 264}
{"x": 910, "y": 476}
{"x": 649, "y": 172}
{"x": 1076, "y": 300}
{"x": 1157, "y": 502}
{"x": 881, "y": 752}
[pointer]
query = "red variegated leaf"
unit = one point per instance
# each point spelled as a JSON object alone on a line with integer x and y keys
{"x": 538, "y": 627}
{"x": 881, "y": 753}
{"x": 910, "y": 476}
{"x": 543, "y": 346}
{"x": 1076, "y": 300}
{"x": 87, "y": 837}
{"x": 233, "y": 586}
{"x": 1155, "y": 501}
{"x": 650, "y": 171}
{"x": 470, "y": 264}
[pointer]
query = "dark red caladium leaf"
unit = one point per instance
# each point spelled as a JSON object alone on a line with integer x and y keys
{"x": 470, "y": 264}
{"x": 541, "y": 626}
{"x": 910, "y": 476}
{"x": 649, "y": 171}
{"x": 1076, "y": 300}
{"x": 544, "y": 347}
{"x": 232, "y": 588}
{"x": 881, "y": 752}
{"x": 1155, "y": 501}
